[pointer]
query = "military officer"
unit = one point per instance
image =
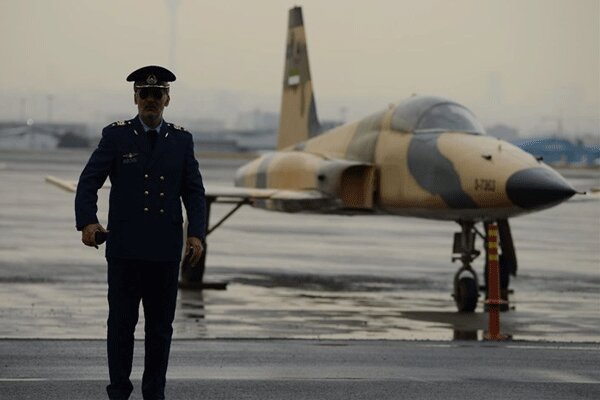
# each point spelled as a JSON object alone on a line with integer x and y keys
{"x": 151, "y": 166}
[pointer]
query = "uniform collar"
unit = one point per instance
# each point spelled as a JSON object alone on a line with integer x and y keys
{"x": 147, "y": 128}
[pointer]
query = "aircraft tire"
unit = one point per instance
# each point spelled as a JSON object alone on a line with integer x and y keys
{"x": 466, "y": 294}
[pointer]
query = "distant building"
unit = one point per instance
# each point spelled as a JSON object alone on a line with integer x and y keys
{"x": 201, "y": 124}
{"x": 256, "y": 139}
{"x": 561, "y": 152}
{"x": 235, "y": 140}
{"x": 208, "y": 145}
{"x": 256, "y": 120}
{"x": 40, "y": 136}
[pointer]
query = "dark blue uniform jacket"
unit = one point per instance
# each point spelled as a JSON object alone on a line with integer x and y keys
{"x": 145, "y": 216}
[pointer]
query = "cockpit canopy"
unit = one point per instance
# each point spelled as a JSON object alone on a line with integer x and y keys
{"x": 428, "y": 114}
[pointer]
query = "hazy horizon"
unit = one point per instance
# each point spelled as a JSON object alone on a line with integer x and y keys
{"x": 523, "y": 63}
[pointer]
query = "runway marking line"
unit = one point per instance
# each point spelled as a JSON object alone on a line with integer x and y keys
{"x": 522, "y": 347}
{"x": 540, "y": 347}
{"x": 23, "y": 379}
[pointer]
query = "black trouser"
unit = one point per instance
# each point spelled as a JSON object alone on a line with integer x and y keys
{"x": 155, "y": 283}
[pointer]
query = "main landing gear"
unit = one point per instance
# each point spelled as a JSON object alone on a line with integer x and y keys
{"x": 192, "y": 276}
{"x": 466, "y": 282}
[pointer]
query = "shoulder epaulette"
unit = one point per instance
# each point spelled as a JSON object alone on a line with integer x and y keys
{"x": 120, "y": 123}
{"x": 176, "y": 127}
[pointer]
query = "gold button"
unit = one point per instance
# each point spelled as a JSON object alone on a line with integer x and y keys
{"x": 146, "y": 176}
{"x": 146, "y": 209}
{"x": 161, "y": 194}
{"x": 146, "y": 192}
{"x": 162, "y": 178}
{"x": 162, "y": 211}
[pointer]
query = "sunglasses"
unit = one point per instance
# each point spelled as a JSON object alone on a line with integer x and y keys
{"x": 157, "y": 93}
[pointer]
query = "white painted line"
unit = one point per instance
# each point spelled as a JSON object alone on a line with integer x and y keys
{"x": 566, "y": 377}
{"x": 23, "y": 379}
{"x": 541, "y": 347}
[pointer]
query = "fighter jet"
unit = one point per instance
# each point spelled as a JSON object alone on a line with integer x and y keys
{"x": 426, "y": 157}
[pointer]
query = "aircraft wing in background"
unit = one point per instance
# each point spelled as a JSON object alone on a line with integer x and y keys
{"x": 69, "y": 186}
{"x": 230, "y": 194}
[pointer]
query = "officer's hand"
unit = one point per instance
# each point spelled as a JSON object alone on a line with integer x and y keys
{"x": 194, "y": 248}
{"x": 88, "y": 232}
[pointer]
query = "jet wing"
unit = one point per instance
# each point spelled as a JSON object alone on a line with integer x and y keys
{"x": 261, "y": 194}
{"x": 224, "y": 194}
{"x": 69, "y": 186}
{"x": 237, "y": 193}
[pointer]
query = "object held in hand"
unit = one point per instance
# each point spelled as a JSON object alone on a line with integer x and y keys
{"x": 187, "y": 260}
{"x": 100, "y": 237}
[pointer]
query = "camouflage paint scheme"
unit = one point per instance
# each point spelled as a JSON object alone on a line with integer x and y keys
{"x": 297, "y": 88}
{"x": 385, "y": 163}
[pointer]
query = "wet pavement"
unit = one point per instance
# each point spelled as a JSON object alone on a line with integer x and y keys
{"x": 296, "y": 276}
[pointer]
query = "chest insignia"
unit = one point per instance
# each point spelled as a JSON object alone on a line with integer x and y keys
{"x": 130, "y": 158}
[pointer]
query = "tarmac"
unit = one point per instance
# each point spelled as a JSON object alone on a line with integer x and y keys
{"x": 313, "y": 369}
{"x": 335, "y": 308}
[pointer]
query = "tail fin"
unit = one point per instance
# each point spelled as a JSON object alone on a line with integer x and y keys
{"x": 298, "y": 119}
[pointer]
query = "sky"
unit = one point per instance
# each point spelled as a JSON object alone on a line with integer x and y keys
{"x": 527, "y": 63}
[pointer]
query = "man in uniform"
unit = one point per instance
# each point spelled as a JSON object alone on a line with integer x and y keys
{"x": 151, "y": 166}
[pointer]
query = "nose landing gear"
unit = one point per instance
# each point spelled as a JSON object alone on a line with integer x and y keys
{"x": 466, "y": 283}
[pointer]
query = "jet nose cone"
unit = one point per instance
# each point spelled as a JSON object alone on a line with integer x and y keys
{"x": 537, "y": 188}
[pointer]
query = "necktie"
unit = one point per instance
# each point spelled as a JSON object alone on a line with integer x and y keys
{"x": 152, "y": 134}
